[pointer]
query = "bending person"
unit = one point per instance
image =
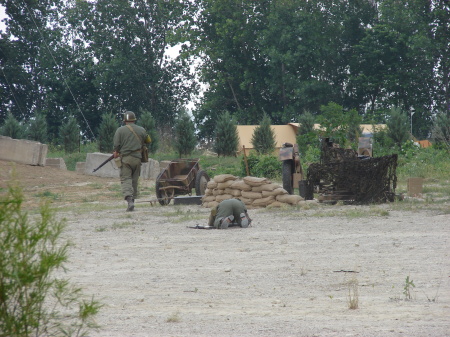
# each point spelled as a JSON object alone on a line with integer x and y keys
{"x": 229, "y": 212}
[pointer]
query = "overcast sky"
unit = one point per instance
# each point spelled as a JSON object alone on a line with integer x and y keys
{"x": 2, "y": 16}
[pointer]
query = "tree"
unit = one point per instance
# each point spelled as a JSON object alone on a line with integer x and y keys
{"x": 306, "y": 135}
{"x": 226, "y": 136}
{"x": 441, "y": 130}
{"x": 37, "y": 129}
{"x": 354, "y": 130}
{"x": 130, "y": 38}
{"x": 185, "y": 140}
{"x": 263, "y": 138}
{"x": 338, "y": 124}
{"x": 12, "y": 128}
{"x": 107, "y": 129}
{"x": 148, "y": 123}
{"x": 69, "y": 135}
{"x": 397, "y": 127}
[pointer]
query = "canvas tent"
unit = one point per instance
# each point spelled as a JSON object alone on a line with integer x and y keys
{"x": 287, "y": 134}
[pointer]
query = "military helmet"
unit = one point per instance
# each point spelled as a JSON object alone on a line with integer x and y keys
{"x": 129, "y": 116}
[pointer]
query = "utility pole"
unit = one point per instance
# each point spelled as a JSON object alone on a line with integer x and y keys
{"x": 411, "y": 113}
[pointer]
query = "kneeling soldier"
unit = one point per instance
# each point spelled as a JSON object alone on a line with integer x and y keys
{"x": 228, "y": 212}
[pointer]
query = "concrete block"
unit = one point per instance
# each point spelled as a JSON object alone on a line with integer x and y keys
{"x": 56, "y": 162}
{"x": 415, "y": 186}
{"x": 23, "y": 151}
{"x": 80, "y": 166}
{"x": 93, "y": 160}
{"x": 150, "y": 170}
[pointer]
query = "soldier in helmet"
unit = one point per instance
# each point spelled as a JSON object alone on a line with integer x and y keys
{"x": 128, "y": 141}
{"x": 228, "y": 212}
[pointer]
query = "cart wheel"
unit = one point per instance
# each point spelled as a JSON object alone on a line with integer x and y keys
{"x": 201, "y": 180}
{"x": 287, "y": 176}
{"x": 162, "y": 196}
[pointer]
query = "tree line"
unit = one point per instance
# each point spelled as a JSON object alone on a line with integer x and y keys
{"x": 78, "y": 61}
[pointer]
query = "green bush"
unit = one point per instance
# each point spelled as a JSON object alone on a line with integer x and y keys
{"x": 429, "y": 163}
{"x": 263, "y": 166}
{"x": 33, "y": 301}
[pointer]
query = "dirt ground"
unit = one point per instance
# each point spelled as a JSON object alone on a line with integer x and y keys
{"x": 290, "y": 274}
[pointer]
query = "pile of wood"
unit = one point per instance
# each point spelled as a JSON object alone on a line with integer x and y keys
{"x": 252, "y": 191}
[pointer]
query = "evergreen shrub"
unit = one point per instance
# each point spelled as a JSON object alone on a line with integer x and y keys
{"x": 263, "y": 138}
{"x": 226, "y": 136}
{"x": 185, "y": 140}
{"x": 107, "y": 129}
{"x": 148, "y": 123}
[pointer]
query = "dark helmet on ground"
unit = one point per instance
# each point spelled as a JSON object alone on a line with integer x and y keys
{"x": 129, "y": 116}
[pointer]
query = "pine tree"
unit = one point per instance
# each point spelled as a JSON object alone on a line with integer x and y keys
{"x": 441, "y": 130}
{"x": 185, "y": 135}
{"x": 12, "y": 128}
{"x": 37, "y": 129}
{"x": 107, "y": 129}
{"x": 148, "y": 123}
{"x": 397, "y": 127}
{"x": 263, "y": 138}
{"x": 226, "y": 136}
{"x": 306, "y": 135}
{"x": 69, "y": 135}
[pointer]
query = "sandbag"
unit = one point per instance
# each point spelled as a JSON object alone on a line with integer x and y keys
{"x": 208, "y": 198}
{"x": 288, "y": 198}
{"x": 255, "y": 181}
{"x": 222, "y": 197}
{"x": 251, "y": 195}
{"x": 217, "y": 192}
{"x": 240, "y": 185}
{"x": 235, "y": 193}
{"x": 208, "y": 191}
{"x": 265, "y": 194}
{"x": 212, "y": 204}
{"x": 263, "y": 201}
{"x": 277, "y": 204}
{"x": 221, "y": 178}
{"x": 265, "y": 187}
{"x": 279, "y": 191}
{"x": 246, "y": 201}
{"x": 211, "y": 184}
{"x": 225, "y": 184}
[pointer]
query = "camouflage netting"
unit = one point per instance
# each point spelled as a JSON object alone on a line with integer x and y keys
{"x": 331, "y": 152}
{"x": 252, "y": 191}
{"x": 359, "y": 181}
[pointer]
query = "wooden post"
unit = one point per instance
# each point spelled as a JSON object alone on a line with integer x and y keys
{"x": 245, "y": 160}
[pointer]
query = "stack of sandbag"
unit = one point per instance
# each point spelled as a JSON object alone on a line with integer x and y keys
{"x": 254, "y": 192}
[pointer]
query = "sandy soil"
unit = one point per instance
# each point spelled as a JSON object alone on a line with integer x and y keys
{"x": 290, "y": 274}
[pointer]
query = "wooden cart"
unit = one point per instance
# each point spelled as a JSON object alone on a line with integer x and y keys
{"x": 179, "y": 178}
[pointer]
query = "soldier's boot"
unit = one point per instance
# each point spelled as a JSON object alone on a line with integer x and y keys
{"x": 244, "y": 220}
{"x": 130, "y": 201}
{"x": 225, "y": 222}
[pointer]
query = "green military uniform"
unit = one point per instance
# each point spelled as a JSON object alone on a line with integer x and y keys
{"x": 231, "y": 210}
{"x": 129, "y": 147}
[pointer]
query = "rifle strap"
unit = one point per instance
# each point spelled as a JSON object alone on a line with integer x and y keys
{"x": 131, "y": 129}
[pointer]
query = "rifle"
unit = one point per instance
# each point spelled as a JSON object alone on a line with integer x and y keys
{"x": 102, "y": 164}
